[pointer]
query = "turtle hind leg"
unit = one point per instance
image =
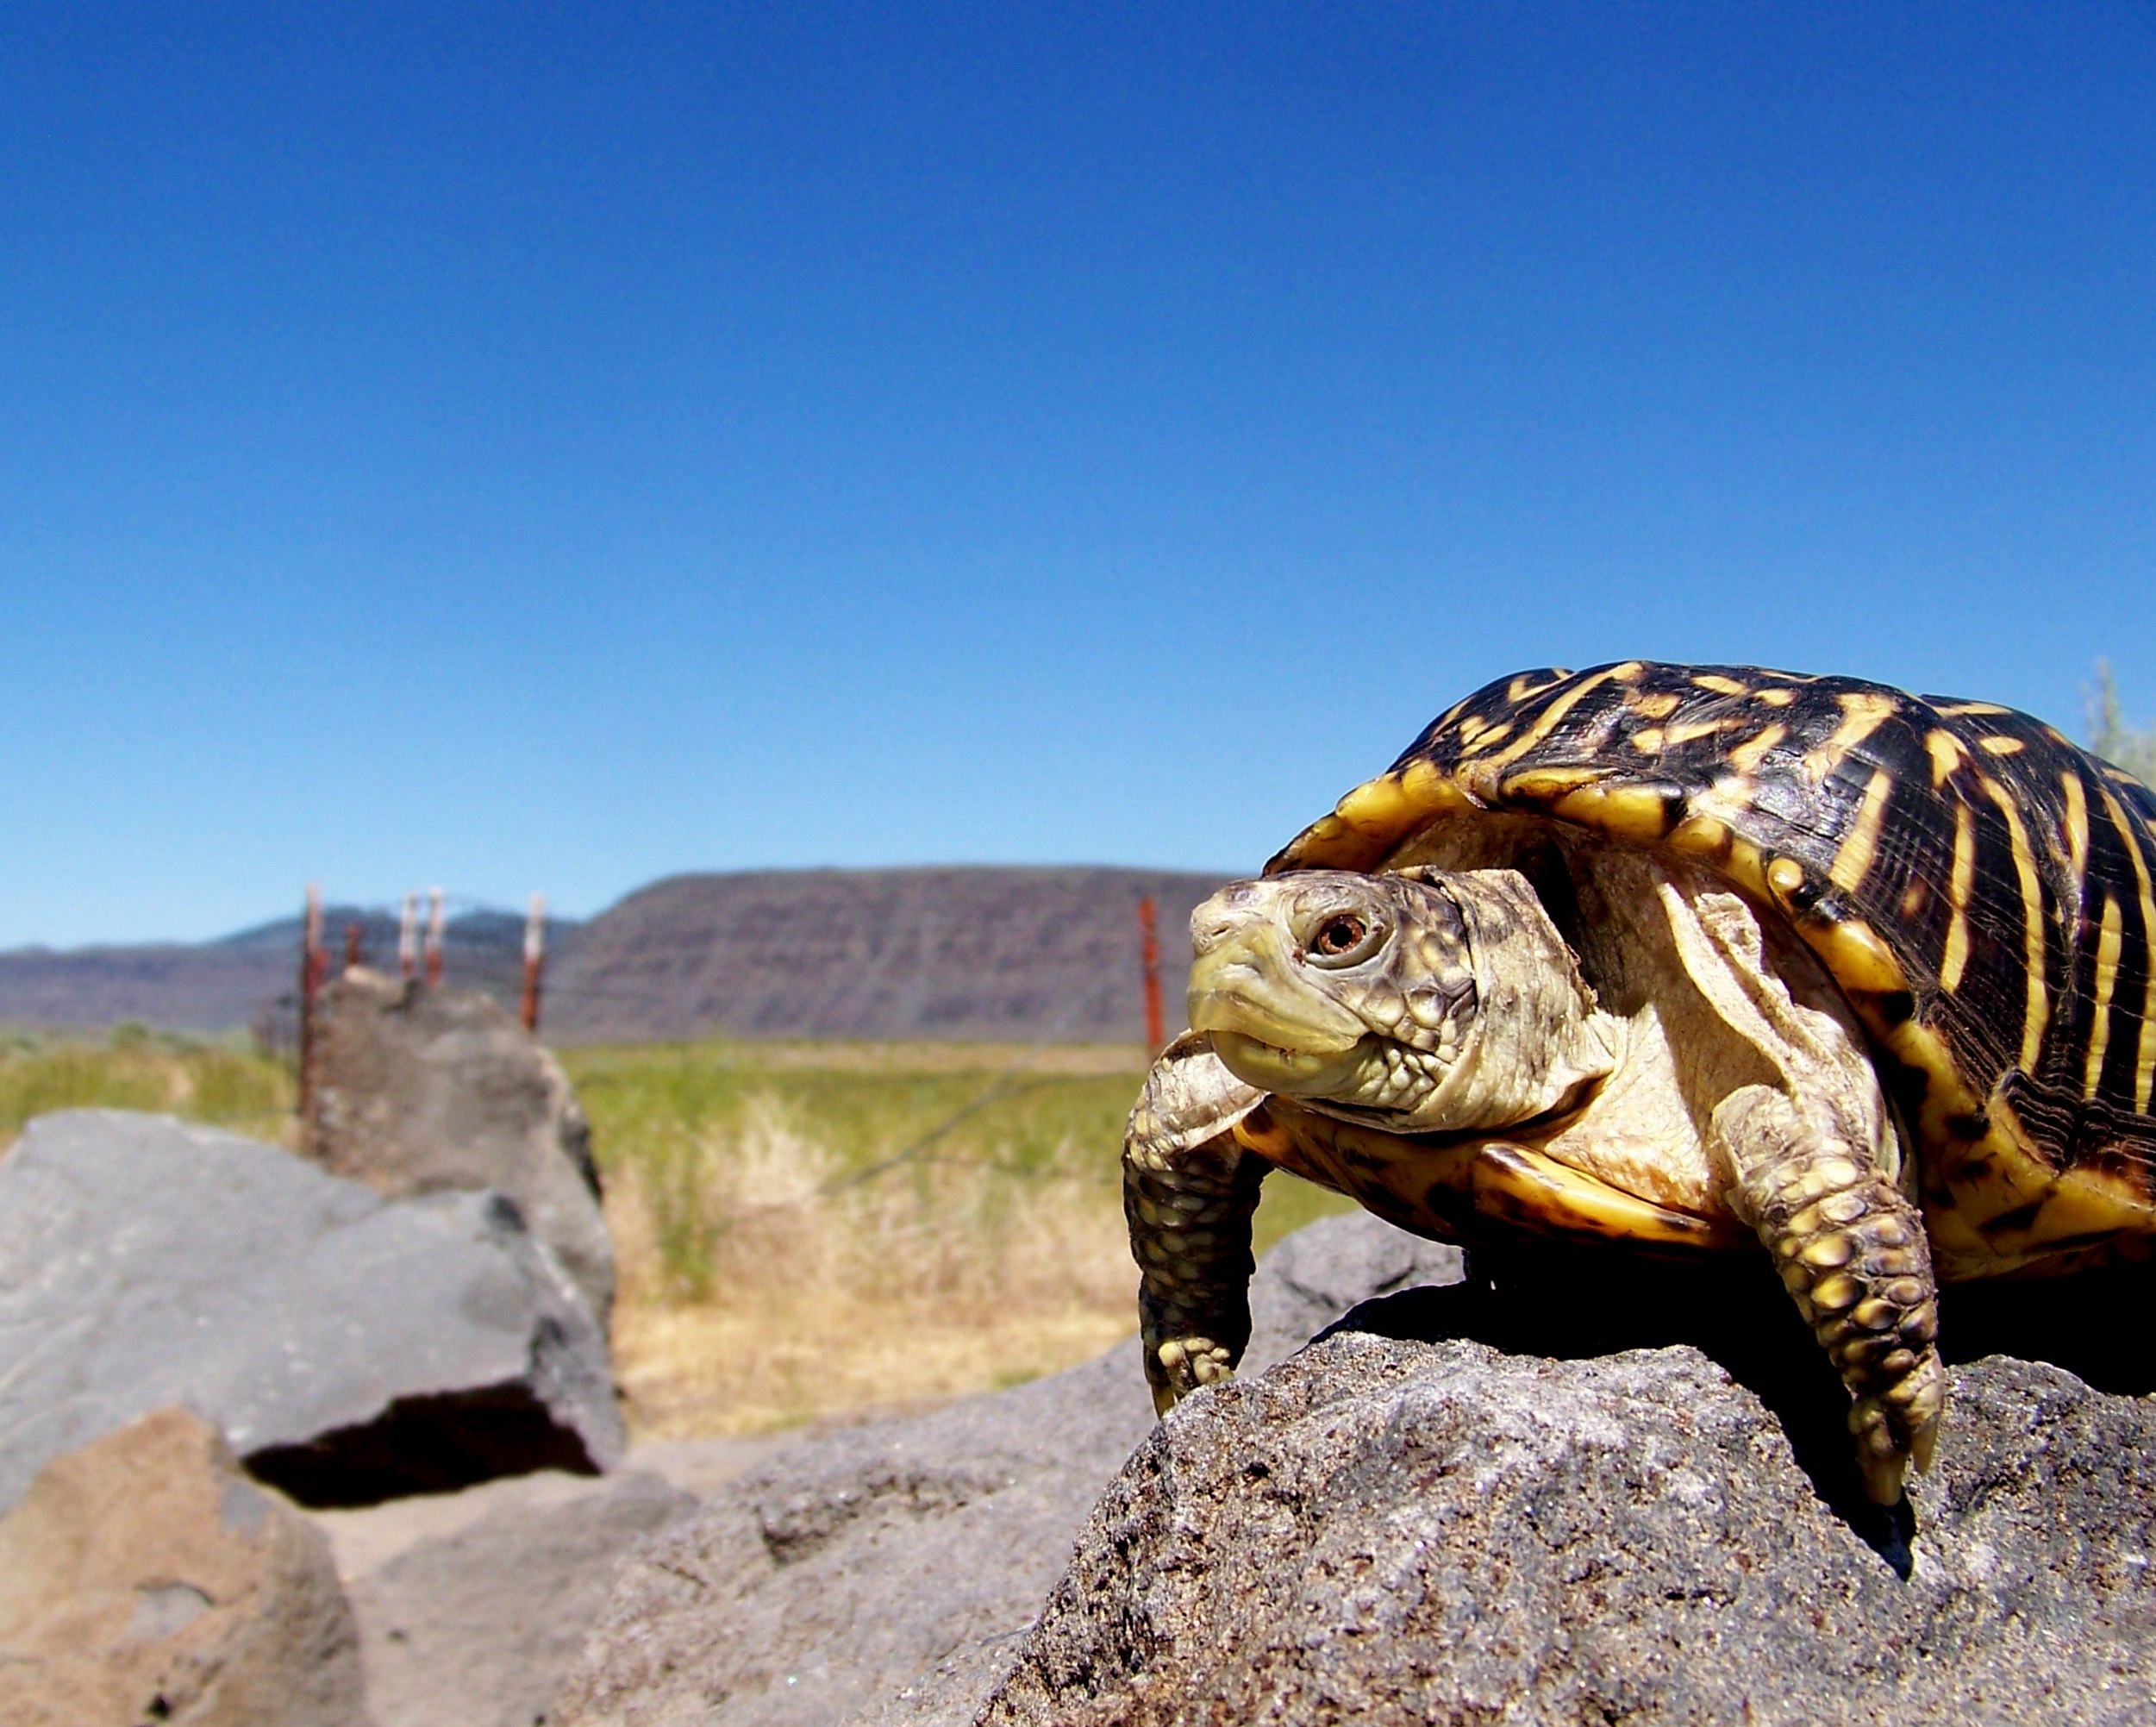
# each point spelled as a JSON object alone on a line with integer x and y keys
{"x": 1850, "y": 1249}
{"x": 1189, "y": 1192}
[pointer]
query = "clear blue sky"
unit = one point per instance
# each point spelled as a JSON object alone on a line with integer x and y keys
{"x": 555, "y": 447}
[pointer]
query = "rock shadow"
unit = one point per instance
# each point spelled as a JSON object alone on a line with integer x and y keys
{"x": 1574, "y": 1303}
{"x": 439, "y": 1443}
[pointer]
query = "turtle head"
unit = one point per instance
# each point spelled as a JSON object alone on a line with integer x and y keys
{"x": 1428, "y": 1002}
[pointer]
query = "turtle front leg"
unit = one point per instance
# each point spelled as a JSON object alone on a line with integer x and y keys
{"x": 1188, "y": 1193}
{"x": 1850, "y": 1249}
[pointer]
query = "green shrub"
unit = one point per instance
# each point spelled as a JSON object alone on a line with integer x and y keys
{"x": 2132, "y": 747}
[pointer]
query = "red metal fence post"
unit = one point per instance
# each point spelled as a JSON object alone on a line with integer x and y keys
{"x": 1149, "y": 954}
{"x": 352, "y": 935}
{"x": 435, "y": 928}
{"x": 535, "y": 960}
{"x": 310, "y": 971}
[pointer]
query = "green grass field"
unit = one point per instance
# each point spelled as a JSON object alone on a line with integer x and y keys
{"x": 805, "y": 1230}
{"x": 226, "y": 1084}
{"x": 980, "y": 1128}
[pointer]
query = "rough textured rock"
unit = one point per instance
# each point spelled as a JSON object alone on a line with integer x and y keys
{"x": 824, "y": 1581}
{"x": 1393, "y": 1531}
{"x": 351, "y": 1348}
{"x": 366, "y": 1538}
{"x": 142, "y": 1579}
{"x": 422, "y": 1089}
{"x": 885, "y": 1573}
{"x": 478, "y": 1628}
{"x": 441, "y": 1582}
{"x": 1322, "y": 1270}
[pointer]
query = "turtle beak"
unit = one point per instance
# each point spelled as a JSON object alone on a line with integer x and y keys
{"x": 1248, "y": 984}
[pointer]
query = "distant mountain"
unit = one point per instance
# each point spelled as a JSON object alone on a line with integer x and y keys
{"x": 245, "y": 979}
{"x": 204, "y": 988}
{"x": 1049, "y": 953}
{"x": 990, "y": 952}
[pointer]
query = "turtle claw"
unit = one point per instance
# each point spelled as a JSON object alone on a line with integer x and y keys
{"x": 1185, "y": 1365}
{"x": 1883, "y": 1463}
{"x": 1898, "y": 1426}
{"x": 1189, "y": 1190}
{"x": 1922, "y": 1444}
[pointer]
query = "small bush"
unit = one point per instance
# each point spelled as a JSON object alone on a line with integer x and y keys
{"x": 2132, "y": 748}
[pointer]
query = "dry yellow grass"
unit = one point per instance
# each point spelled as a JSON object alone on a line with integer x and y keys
{"x": 825, "y": 1296}
{"x": 807, "y": 1232}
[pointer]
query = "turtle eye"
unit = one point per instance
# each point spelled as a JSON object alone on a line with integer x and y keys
{"x": 1343, "y": 938}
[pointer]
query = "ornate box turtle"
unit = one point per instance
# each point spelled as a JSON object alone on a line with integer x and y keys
{"x": 1693, "y": 959}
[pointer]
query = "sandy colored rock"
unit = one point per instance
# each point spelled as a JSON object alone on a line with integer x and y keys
{"x": 1391, "y": 1530}
{"x": 143, "y": 1579}
{"x": 420, "y": 1089}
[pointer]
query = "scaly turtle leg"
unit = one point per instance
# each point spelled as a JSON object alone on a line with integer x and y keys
{"x": 1850, "y": 1248}
{"x": 1814, "y": 1167}
{"x": 1188, "y": 1193}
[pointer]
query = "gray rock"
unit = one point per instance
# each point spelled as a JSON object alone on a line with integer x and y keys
{"x": 350, "y": 1348}
{"x": 424, "y": 1089}
{"x": 885, "y": 1573}
{"x": 478, "y": 1628}
{"x": 367, "y": 1538}
{"x": 143, "y": 1580}
{"x": 1322, "y": 1270}
{"x": 1393, "y": 1531}
{"x": 823, "y": 1582}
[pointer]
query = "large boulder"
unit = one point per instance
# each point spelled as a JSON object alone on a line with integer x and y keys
{"x": 884, "y": 1572}
{"x": 422, "y": 1088}
{"x": 142, "y": 1579}
{"x": 350, "y": 1348}
{"x": 1393, "y": 1531}
{"x": 1515, "y": 1499}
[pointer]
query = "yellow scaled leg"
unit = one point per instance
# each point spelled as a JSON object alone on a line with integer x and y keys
{"x": 1188, "y": 1193}
{"x": 1851, "y": 1250}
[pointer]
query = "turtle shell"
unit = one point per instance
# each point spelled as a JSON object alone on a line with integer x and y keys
{"x": 1980, "y": 888}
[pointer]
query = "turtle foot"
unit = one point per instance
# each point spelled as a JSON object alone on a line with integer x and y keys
{"x": 1183, "y": 1364}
